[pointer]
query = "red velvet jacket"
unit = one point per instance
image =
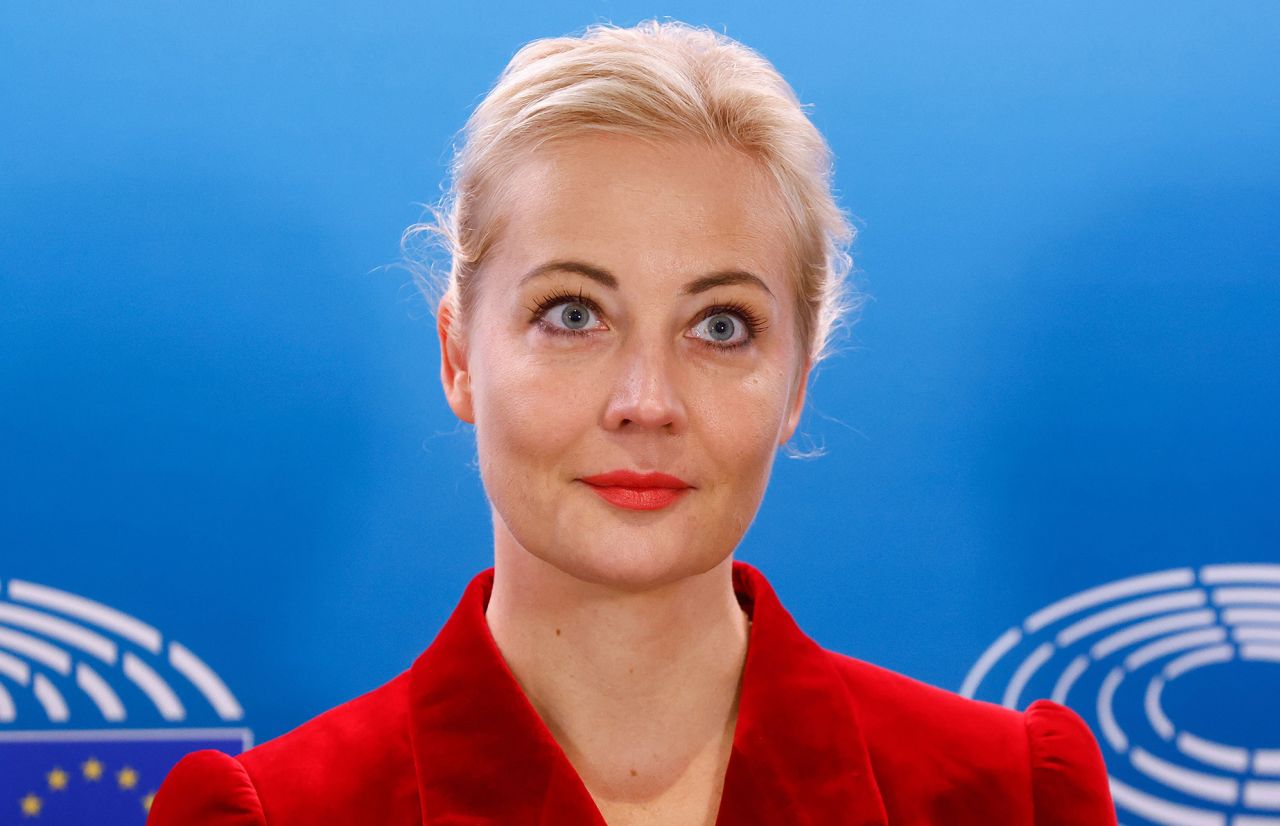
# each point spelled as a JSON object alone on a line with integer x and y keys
{"x": 821, "y": 738}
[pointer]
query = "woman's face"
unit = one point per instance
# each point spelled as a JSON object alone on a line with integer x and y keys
{"x": 635, "y": 314}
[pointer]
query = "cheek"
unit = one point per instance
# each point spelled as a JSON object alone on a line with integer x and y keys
{"x": 741, "y": 421}
{"x": 527, "y": 412}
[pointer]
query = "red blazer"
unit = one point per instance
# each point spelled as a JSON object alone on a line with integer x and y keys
{"x": 821, "y": 738}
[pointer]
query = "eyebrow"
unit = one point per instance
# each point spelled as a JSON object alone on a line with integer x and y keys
{"x": 602, "y": 276}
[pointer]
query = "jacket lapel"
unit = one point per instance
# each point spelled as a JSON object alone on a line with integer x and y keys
{"x": 798, "y": 752}
{"x": 483, "y": 755}
{"x": 481, "y": 752}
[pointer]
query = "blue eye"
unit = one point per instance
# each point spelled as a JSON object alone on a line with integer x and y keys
{"x": 566, "y": 315}
{"x": 721, "y": 327}
{"x": 575, "y": 314}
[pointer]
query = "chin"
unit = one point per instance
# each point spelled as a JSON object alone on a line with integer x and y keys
{"x": 643, "y": 566}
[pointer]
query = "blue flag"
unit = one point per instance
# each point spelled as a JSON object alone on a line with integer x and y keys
{"x": 108, "y": 778}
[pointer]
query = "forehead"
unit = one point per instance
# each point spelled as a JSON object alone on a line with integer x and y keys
{"x": 671, "y": 206}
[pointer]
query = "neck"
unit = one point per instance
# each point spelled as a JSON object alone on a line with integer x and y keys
{"x": 639, "y": 688}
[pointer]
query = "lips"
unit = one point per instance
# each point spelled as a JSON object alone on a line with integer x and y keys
{"x": 638, "y": 491}
{"x": 631, "y": 479}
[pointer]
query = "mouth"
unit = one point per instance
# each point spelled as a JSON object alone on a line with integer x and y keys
{"x": 638, "y": 491}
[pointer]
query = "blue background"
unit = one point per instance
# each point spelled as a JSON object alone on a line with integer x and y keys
{"x": 220, "y": 408}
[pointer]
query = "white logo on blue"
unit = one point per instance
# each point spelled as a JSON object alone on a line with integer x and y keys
{"x": 93, "y": 704}
{"x": 1115, "y": 652}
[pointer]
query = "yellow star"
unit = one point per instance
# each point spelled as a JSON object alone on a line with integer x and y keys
{"x": 92, "y": 769}
{"x": 57, "y": 779}
{"x": 127, "y": 778}
{"x": 31, "y": 805}
{"x": 146, "y": 800}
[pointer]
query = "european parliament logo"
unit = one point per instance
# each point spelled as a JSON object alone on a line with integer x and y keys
{"x": 1177, "y": 670}
{"x": 95, "y": 708}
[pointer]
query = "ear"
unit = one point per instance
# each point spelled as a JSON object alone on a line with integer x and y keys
{"x": 454, "y": 372}
{"x": 796, "y": 406}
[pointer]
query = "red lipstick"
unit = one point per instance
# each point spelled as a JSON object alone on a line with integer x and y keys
{"x": 637, "y": 491}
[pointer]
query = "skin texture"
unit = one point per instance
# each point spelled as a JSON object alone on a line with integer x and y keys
{"x": 621, "y": 626}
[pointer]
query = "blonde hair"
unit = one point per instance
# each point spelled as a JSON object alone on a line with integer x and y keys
{"x": 656, "y": 81}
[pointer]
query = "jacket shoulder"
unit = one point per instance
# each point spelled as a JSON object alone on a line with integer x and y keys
{"x": 351, "y": 764}
{"x": 353, "y": 760}
{"x": 976, "y": 756}
{"x": 1068, "y": 776}
{"x": 940, "y": 725}
{"x": 206, "y": 788}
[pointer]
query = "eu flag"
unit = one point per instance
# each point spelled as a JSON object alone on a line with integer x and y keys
{"x": 108, "y": 777}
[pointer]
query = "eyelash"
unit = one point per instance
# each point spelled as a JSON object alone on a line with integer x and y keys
{"x": 755, "y": 324}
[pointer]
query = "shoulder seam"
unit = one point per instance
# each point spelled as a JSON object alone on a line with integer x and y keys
{"x": 253, "y": 787}
{"x": 1031, "y": 763}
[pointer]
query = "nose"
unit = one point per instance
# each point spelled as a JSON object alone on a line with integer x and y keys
{"x": 645, "y": 392}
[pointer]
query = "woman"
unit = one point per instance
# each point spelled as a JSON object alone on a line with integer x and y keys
{"x": 647, "y": 263}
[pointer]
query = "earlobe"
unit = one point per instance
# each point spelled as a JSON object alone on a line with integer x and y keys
{"x": 454, "y": 373}
{"x": 797, "y": 405}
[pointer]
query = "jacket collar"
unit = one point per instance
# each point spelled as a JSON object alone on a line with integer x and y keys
{"x": 483, "y": 755}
